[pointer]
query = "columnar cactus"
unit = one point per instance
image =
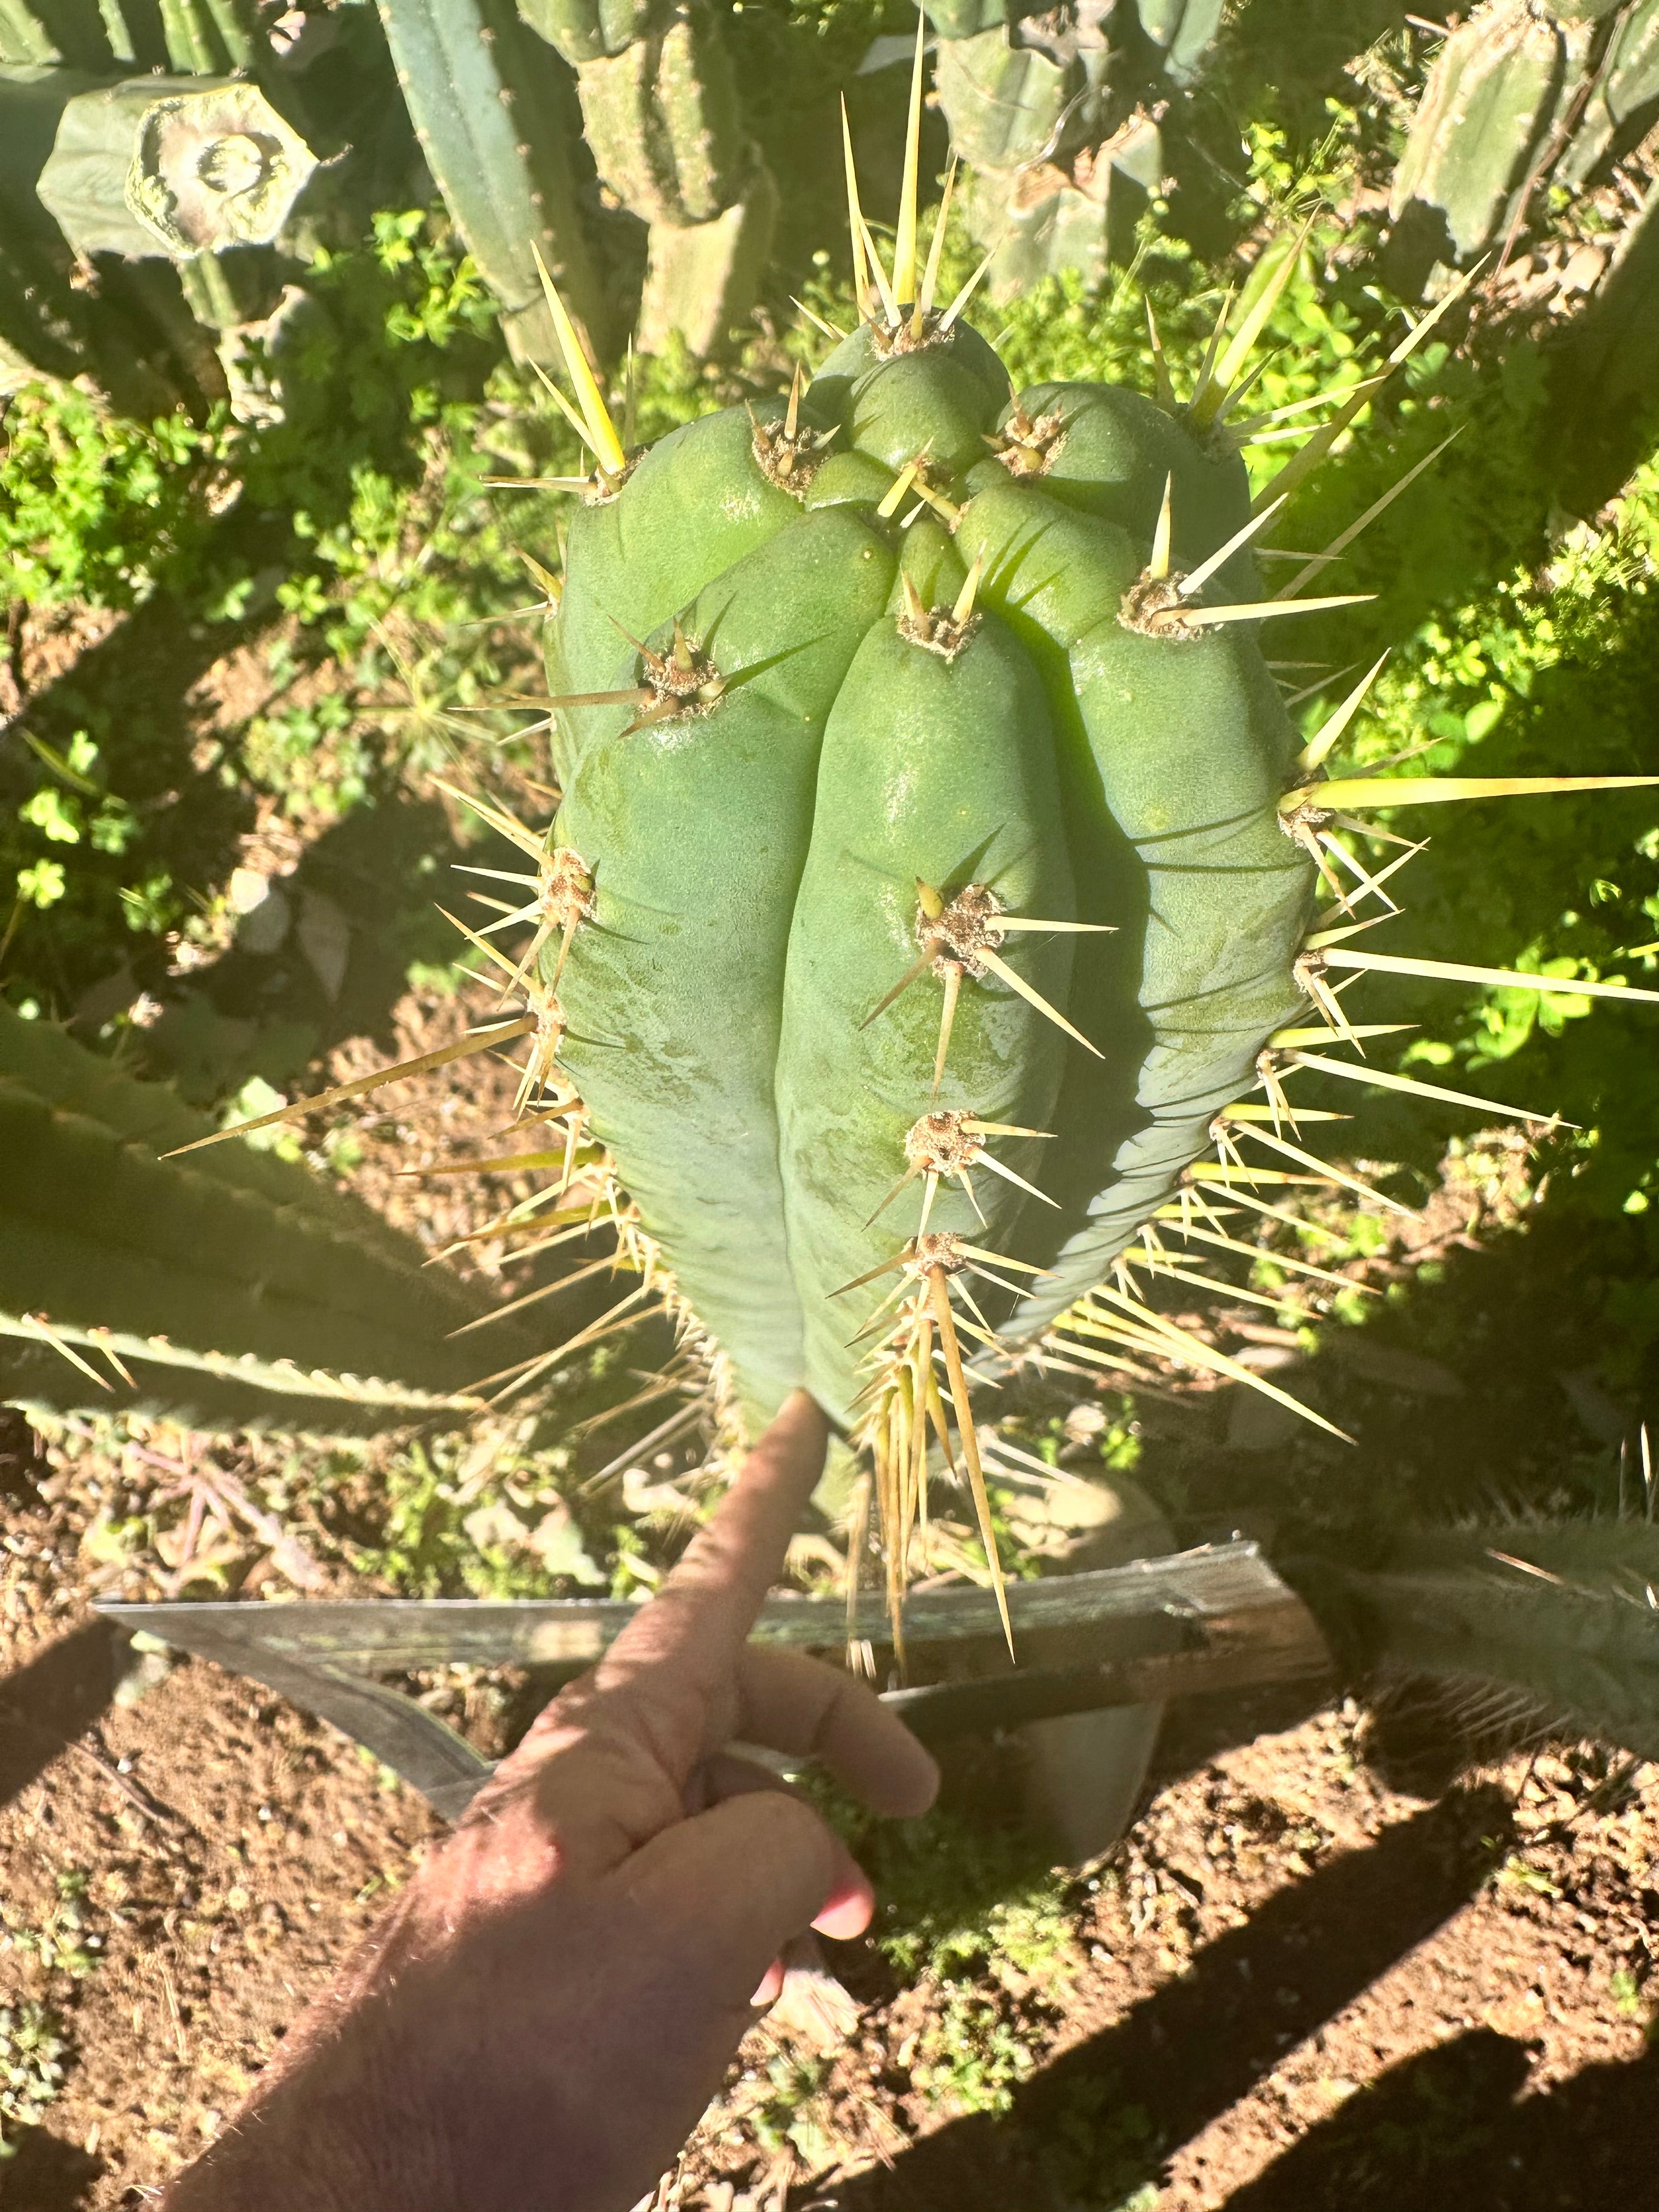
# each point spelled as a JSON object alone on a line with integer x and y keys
{"x": 1061, "y": 117}
{"x": 660, "y": 109}
{"x": 931, "y": 921}
{"x": 172, "y": 166}
{"x": 1524, "y": 93}
{"x": 934, "y": 883}
{"x": 111, "y": 168}
{"x": 1500, "y": 84}
{"x": 494, "y": 117}
{"x": 1059, "y": 162}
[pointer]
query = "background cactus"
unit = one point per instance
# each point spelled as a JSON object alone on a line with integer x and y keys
{"x": 231, "y": 1289}
{"x": 1561, "y": 1615}
{"x": 1523, "y": 93}
{"x": 140, "y": 211}
{"x": 1501, "y": 86}
{"x": 1040, "y": 109}
{"x": 1067, "y": 120}
{"x": 495, "y": 119}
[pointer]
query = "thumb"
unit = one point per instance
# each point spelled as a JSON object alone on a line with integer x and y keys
{"x": 730, "y": 1887}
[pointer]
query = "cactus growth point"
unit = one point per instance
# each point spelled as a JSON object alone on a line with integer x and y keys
{"x": 172, "y": 166}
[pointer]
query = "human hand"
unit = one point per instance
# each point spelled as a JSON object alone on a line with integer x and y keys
{"x": 540, "y": 2019}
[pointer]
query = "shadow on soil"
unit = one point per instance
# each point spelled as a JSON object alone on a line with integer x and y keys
{"x": 326, "y": 955}
{"x": 46, "y": 2174}
{"x": 47, "y": 1704}
{"x": 1200, "y": 2044}
{"x": 1452, "y": 2126}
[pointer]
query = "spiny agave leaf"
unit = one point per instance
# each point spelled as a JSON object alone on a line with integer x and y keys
{"x": 229, "y": 1289}
{"x": 1565, "y": 1612}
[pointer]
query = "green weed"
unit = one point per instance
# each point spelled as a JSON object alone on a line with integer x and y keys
{"x": 974, "y": 2052}
{"x": 64, "y": 1942}
{"x": 795, "y": 2112}
{"x": 33, "y": 2050}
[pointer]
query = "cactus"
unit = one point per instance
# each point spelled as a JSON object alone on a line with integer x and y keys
{"x": 137, "y": 341}
{"x": 232, "y": 1289}
{"x": 172, "y": 166}
{"x": 492, "y": 113}
{"x": 1183, "y": 33}
{"x": 1559, "y": 1615}
{"x": 664, "y": 125}
{"x": 1064, "y": 120}
{"x": 1622, "y": 96}
{"x": 935, "y": 880}
{"x": 1500, "y": 84}
{"x": 1522, "y": 92}
{"x": 926, "y": 901}
{"x": 1604, "y": 377}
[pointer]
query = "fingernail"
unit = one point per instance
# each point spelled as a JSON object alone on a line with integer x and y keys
{"x": 771, "y": 1986}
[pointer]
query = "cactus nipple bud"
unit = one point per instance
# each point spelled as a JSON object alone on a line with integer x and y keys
{"x": 678, "y": 683}
{"x": 567, "y": 889}
{"x": 1300, "y": 817}
{"x": 935, "y": 629}
{"x": 942, "y": 1143}
{"x": 940, "y": 1249}
{"x": 1152, "y": 606}
{"x": 1028, "y": 445}
{"x": 787, "y": 455}
{"x": 962, "y": 930}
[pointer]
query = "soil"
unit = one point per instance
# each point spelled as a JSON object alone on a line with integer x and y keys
{"x": 1297, "y": 1983}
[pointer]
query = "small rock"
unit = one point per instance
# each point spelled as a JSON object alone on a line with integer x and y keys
{"x": 265, "y": 925}
{"x": 325, "y": 938}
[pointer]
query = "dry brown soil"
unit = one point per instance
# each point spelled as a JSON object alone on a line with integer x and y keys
{"x": 1297, "y": 1985}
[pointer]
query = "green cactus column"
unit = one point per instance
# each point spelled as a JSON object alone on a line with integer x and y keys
{"x": 660, "y": 108}
{"x": 1042, "y": 108}
{"x": 492, "y": 113}
{"x": 71, "y": 146}
{"x": 1489, "y": 124}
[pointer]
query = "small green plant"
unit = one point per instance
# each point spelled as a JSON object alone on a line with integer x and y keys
{"x": 795, "y": 2111}
{"x": 63, "y": 1943}
{"x": 973, "y": 2053}
{"x": 1101, "y": 2151}
{"x": 33, "y": 2052}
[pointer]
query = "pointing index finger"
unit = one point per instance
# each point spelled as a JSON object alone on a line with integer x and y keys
{"x": 701, "y": 1618}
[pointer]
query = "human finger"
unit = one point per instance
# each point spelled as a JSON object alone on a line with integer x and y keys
{"x": 726, "y": 1890}
{"x": 794, "y": 1702}
{"x": 848, "y": 1908}
{"x": 700, "y": 1618}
